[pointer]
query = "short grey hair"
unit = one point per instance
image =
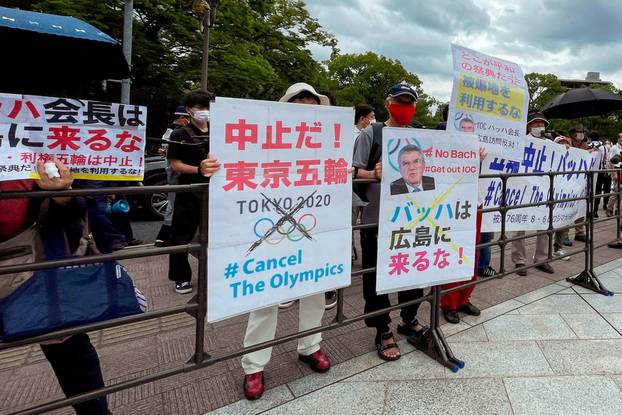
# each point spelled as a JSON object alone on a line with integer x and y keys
{"x": 409, "y": 148}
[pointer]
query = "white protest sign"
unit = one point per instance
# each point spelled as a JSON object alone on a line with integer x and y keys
{"x": 96, "y": 140}
{"x": 490, "y": 98}
{"x": 280, "y": 207}
{"x": 569, "y": 186}
{"x": 428, "y": 208}
{"x": 539, "y": 155}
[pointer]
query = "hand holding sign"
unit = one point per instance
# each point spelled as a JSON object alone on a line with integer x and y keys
{"x": 209, "y": 166}
{"x": 57, "y": 183}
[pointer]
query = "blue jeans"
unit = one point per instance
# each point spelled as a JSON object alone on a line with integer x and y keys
{"x": 105, "y": 233}
{"x": 484, "y": 253}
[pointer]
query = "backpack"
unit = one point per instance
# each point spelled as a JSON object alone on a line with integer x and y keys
{"x": 375, "y": 155}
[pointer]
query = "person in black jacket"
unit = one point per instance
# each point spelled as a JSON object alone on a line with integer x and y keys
{"x": 188, "y": 153}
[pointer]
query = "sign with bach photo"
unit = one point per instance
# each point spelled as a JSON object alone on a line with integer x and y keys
{"x": 426, "y": 233}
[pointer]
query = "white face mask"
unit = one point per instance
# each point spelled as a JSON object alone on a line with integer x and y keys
{"x": 373, "y": 120}
{"x": 201, "y": 116}
{"x": 580, "y": 136}
{"x": 537, "y": 131}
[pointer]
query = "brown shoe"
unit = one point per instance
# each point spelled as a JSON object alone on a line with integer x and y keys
{"x": 522, "y": 272}
{"x": 546, "y": 268}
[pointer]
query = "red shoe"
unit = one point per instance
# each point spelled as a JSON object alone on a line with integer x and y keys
{"x": 253, "y": 386}
{"x": 318, "y": 361}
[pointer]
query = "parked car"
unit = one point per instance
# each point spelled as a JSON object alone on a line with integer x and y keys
{"x": 154, "y": 204}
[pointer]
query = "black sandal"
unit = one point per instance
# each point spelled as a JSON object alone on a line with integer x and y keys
{"x": 381, "y": 348}
{"x": 408, "y": 330}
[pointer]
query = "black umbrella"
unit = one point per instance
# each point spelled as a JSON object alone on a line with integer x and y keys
{"x": 582, "y": 102}
{"x": 42, "y": 52}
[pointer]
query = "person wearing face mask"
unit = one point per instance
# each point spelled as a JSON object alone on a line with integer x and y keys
{"x": 400, "y": 102}
{"x": 188, "y": 148}
{"x": 603, "y": 179}
{"x": 561, "y": 237}
{"x": 607, "y": 144}
{"x": 363, "y": 116}
{"x": 578, "y": 139}
{"x": 181, "y": 120}
{"x": 536, "y": 124}
{"x": 616, "y": 149}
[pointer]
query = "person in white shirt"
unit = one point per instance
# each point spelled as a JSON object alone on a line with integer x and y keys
{"x": 616, "y": 149}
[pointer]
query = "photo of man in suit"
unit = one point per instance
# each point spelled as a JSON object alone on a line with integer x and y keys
{"x": 412, "y": 165}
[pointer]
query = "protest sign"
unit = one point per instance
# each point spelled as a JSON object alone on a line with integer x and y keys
{"x": 280, "y": 207}
{"x": 96, "y": 140}
{"x": 490, "y": 98}
{"x": 539, "y": 156}
{"x": 426, "y": 232}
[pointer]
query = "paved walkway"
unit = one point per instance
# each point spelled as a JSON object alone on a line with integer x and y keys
{"x": 133, "y": 350}
{"x": 556, "y": 350}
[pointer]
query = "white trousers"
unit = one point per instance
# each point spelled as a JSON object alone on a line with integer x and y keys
{"x": 262, "y": 327}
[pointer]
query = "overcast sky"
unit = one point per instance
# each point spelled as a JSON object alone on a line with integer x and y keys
{"x": 565, "y": 37}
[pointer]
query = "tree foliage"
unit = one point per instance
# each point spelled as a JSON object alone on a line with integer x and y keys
{"x": 260, "y": 47}
{"x": 257, "y": 49}
{"x": 542, "y": 88}
{"x": 366, "y": 78}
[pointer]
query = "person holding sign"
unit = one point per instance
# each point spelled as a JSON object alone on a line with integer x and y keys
{"x": 400, "y": 102}
{"x": 536, "y": 123}
{"x": 262, "y": 323}
{"x": 74, "y": 359}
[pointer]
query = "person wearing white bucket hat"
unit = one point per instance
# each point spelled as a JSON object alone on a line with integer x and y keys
{"x": 262, "y": 323}
{"x": 303, "y": 93}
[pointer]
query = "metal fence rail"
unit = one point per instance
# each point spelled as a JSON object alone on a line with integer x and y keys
{"x": 433, "y": 343}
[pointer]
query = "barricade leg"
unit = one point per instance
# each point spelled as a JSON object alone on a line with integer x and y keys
{"x": 588, "y": 278}
{"x": 433, "y": 341}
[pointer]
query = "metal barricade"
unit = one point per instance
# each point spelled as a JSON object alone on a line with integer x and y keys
{"x": 433, "y": 343}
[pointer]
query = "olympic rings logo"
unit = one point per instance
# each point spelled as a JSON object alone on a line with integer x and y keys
{"x": 306, "y": 222}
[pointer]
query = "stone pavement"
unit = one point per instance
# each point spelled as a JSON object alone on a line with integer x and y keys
{"x": 133, "y": 350}
{"x": 555, "y": 350}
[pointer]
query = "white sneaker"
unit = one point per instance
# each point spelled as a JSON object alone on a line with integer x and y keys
{"x": 183, "y": 288}
{"x": 561, "y": 252}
